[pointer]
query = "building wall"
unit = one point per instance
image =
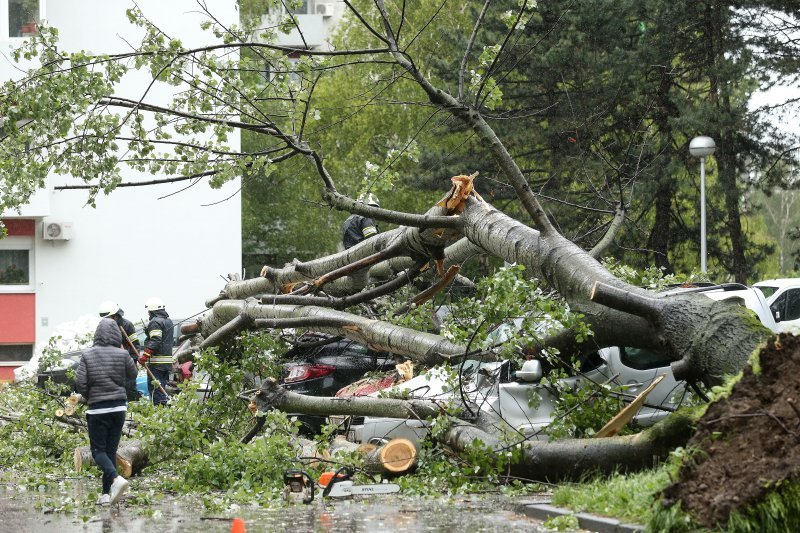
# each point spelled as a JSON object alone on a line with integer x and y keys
{"x": 133, "y": 245}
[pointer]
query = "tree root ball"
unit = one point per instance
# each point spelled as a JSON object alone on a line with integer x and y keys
{"x": 746, "y": 446}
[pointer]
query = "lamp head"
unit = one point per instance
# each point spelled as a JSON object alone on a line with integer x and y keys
{"x": 702, "y": 146}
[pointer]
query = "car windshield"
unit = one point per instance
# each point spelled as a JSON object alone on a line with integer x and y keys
{"x": 642, "y": 359}
{"x": 766, "y": 290}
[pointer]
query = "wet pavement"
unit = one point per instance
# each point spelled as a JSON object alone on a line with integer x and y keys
{"x": 24, "y": 510}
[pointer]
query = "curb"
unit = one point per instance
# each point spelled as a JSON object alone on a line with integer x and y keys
{"x": 591, "y": 522}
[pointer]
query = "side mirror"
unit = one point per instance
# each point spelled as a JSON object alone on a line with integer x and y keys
{"x": 777, "y": 315}
{"x": 531, "y": 371}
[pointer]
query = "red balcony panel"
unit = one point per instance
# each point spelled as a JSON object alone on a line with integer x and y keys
{"x": 17, "y": 318}
{"x": 7, "y": 373}
{"x": 20, "y": 227}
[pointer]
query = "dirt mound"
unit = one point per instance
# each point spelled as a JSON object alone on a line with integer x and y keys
{"x": 748, "y": 443}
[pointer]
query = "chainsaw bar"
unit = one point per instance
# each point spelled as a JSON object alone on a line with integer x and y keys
{"x": 343, "y": 489}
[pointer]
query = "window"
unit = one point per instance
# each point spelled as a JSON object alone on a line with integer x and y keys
{"x": 779, "y": 306}
{"x": 275, "y": 72}
{"x": 15, "y": 267}
{"x": 641, "y": 359}
{"x": 305, "y": 7}
{"x": 16, "y": 264}
{"x": 15, "y": 352}
{"x": 22, "y": 17}
{"x": 767, "y": 291}
{"x": 792, "y": 304}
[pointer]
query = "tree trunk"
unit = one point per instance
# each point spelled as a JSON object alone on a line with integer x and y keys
{"x": 573, "y": 459}
{"x": 541, "y": 460}
{"x": 131, "y": 459}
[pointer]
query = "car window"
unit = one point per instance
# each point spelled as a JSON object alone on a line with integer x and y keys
{"x": 766, "y": 291}
{"x": 792, "y": 304}
{"x": 590, "y": 361}
{"x": 357, "y": 348}
{"x": 779, "y": 306}
{"x": 641, "y": 359}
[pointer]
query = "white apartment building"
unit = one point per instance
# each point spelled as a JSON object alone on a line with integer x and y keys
{"x": 62, "y": 257}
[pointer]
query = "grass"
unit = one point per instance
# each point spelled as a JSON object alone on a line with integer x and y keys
{"x": 628, "y": 497}
{"x": 632, "y": 498}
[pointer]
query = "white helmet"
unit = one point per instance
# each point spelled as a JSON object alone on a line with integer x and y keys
{"x": 369, "y": 199}
{"x": 108, "y": 308}
{"x": 154, "y": 304}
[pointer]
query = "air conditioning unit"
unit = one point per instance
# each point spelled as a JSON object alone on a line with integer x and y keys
{"x": 326, "y": 9}
{"x": 56, "y": 231}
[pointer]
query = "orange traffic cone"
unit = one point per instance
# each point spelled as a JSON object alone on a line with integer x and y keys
{"x": 238, "y": 526}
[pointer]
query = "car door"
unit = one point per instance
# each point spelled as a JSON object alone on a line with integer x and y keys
{"x": 786, "y": 307}
{"x": 635, "y": 369}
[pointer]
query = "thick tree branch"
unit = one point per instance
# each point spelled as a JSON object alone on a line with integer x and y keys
{"x": 425, "y": 348}
{"x": 345, "y": 203}
{"x": 273, "y": 396}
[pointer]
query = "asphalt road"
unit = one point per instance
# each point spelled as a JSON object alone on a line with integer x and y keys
{"x": 22, "y": 511}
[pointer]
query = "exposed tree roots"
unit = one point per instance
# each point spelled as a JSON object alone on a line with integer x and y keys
{"x": 748, "y": 444}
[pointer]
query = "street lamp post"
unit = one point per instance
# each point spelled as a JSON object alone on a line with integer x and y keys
{"x": 702, "y": 147}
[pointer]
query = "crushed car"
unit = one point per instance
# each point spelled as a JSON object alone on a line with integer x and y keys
{"x": 507, "y": 394}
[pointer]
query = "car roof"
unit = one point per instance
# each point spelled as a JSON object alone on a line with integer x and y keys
{"x": 750, "y": 297}
{"x": 779, "y": 282}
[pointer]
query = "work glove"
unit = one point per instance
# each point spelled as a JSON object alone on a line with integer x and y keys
{"x": 145, "y": 355}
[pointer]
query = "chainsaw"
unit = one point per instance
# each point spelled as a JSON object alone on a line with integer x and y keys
{"x": 341, "y": 485}
{"x": 298, "y": 486}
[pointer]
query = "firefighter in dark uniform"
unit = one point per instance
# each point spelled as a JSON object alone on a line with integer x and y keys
{"x": 109, "y": 309}
{"x": 357, "y": 228}
{"x": 158, "y": 347}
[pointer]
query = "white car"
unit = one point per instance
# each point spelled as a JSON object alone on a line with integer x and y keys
{"x": 499, "y": 391}
{"x": 783, "y": 297}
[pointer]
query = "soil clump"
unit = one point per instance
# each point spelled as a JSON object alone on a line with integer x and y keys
{"x": 748, "y": 444}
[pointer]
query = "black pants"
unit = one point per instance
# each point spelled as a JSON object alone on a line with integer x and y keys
{"x": 161, "y": 373}
{"x": 105, "y": 430}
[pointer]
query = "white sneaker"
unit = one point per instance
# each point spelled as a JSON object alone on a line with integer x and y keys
{"x": 104, "y": 499}
{"x": 118, "y": 488}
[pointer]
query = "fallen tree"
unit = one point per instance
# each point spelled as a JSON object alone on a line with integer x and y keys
{"x": 706, "y": 339}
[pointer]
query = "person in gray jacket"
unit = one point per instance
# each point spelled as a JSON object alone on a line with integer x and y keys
{"x": 104, "y": 375}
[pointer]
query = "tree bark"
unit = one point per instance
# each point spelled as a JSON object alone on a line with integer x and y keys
{"x": 405, "y": 241}
{"x": 541, "y": 460}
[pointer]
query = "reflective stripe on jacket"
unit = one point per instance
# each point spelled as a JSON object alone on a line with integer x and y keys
{"x": 357, "y": 228}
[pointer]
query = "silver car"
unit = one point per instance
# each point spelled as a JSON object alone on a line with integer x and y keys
{"x": 507, "y": 394}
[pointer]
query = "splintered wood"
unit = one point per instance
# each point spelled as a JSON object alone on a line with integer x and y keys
{"x": 454, "y": 200}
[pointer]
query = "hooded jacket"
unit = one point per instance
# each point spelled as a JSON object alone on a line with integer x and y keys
{"x": 105, "y": 369}
{"x": 132, "y": 344}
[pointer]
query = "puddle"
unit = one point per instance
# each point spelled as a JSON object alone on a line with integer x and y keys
{"x": 19, "y": 512}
